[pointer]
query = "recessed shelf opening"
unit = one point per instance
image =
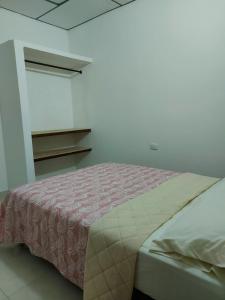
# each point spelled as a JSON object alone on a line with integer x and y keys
{"x": 54, "y": 153}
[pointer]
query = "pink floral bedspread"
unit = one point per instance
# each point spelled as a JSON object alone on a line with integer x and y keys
{"x": 52, "y": 216}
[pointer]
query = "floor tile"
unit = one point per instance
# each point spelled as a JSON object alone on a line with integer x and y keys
{"x": 51, "y": 286}
{"x": 18, "y": 268}
{"x": 24, "y": 276}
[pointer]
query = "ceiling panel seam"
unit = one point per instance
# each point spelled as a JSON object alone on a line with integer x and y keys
{"x": 116, "y": 2}
{"x": 93, "y": 18}
{"x": 52, "y": 2}
{"x": 121, "y": 5}
{"x": 21, "y": 14}
{"x": 58, "y": 5}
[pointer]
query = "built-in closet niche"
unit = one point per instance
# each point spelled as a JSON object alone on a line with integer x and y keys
{"x": 41, "y": 127}
{"x": 52, "y": 102}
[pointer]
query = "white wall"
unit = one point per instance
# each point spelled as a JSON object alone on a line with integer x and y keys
{"x": 14, "y": 26}
{"x": 158, "y": 76}
{"x": 51, "y": 103}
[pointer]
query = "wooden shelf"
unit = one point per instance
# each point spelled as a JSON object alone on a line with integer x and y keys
{"x": 54, "y": 153}
{"x": 36, "y": 134}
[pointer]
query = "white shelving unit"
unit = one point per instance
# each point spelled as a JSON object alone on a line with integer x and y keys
{"x": 14, "y": 100}
{"x": 51, "y": 59}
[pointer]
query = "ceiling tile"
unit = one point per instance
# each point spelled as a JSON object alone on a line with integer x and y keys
{"x": 31, "y": 8}
{"x": 75, "y": 12}
{"x": 123, "y": 1}
{"x": 56, "y": 1}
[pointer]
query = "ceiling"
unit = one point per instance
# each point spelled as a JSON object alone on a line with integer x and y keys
{"x": 65, "y": 14}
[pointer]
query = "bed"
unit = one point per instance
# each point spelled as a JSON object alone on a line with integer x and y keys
{"x": 163, "y": 278}
{"x": 167, "y": 278}
{"x": 53, "y": 218}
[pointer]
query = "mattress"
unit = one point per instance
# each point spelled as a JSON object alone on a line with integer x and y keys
{"x": 166, "y": 278}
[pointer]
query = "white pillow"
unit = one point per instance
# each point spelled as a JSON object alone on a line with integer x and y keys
{"x": 199, "y": 232}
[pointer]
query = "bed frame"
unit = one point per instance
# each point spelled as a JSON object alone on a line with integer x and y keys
{"x": 137, "y": 295}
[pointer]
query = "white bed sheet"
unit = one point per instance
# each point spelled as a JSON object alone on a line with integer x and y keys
{"x": 165, "y": 278}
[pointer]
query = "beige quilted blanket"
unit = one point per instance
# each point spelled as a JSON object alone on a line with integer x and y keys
{"x": 115, "y": 239}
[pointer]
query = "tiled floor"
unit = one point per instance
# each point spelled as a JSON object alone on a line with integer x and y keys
{"x": 26, "y": 277}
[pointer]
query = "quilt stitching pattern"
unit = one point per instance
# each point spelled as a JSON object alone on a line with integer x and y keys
{"x": 109, "y": 270}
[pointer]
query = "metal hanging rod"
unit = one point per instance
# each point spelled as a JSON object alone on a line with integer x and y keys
{"x": 52, "y": 66}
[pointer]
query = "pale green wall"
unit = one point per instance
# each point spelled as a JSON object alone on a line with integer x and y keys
{"x": 158, "y": 76}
